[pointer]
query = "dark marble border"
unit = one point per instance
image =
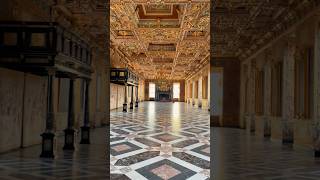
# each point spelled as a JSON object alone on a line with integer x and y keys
{"x": 200, "y": 148}
{"x": 137, "y": 158}
{"x": 204, "y": 164}
{"x": 146, "y": 171}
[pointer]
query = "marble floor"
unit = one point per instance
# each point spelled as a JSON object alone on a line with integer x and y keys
{"x": 160, "y": 140}
{"x": 165, "y": 141}
{"x": 239, "y": 155}
{"x": 87, "y": 162}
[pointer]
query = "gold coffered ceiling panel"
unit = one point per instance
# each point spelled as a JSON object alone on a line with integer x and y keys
{"x": 162, "y": 39}
{"x": 242, "y": 27}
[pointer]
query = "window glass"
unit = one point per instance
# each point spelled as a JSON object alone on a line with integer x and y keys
{"x": 176, "y": 90}
{"x": 152, "y": 90}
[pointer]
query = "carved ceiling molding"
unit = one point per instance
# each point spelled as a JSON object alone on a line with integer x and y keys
{"x": 162, "y": 30}
{"x": 242, "y": 27}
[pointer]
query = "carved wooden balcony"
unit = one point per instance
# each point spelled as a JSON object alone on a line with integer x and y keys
{"x": 36, "y": 47}
{"x": 123, "y": 76}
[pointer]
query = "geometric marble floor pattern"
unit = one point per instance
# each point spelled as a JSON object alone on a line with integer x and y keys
{"x": 87, "y": 162}
{"x": 160, "y": 140}
{"x": 243, "y": 156}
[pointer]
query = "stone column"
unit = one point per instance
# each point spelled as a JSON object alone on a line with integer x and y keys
{"x": 288, "y": 90}
{"x": 193, "y": 93}
{"x": 85, "y": 129}
{"x": 137, "y": 96}
{"x": 125, "y": 98}
{"x": 69, "y": 132}
{"x": 187, "y": 92}
{"x": 208, "y": 89}
{"x": 316, "y": 90}
{"x": 251, "y": 96}
{"x": 48, "y": 136}
{"x": 131, "y": 102}
{"x": 267, "y": 97}
{"x": 190, "y": 92}
{"x": 243, "y": 79}
{"x": 200, "y": 92}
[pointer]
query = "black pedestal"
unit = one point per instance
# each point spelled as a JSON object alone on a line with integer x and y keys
{"x": 131, "y": 105}
{"x": 287, "y": 141}
{"x": 85, "y": 135}
{"x": 316, "y": 153}
{"x": 69, "y": 139}
{"x": 137, "y": 104}
{"x": 47, "y": 145}
{"x": 124, "y": 107}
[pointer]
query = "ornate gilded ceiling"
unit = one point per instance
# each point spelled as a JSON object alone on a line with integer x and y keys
{"x": 241, "y": 27}
{"x": 162, "y": 39}
{"x": 169, "y": 39}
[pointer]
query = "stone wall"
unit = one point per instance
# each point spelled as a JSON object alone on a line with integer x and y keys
{"x": 22, "y": 109}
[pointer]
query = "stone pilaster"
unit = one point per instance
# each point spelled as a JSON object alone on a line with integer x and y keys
{"x": 316, "y": 90}
{"x": 316, "y": 74}
{"x": 243, "y": 78}
{"x": 251, "y": 96}
{"x": 267, "y": 97}
{"x": 288, "y": 90}
{"x": 85, "y": 129}
{"x": 193, "y": 92}
{"x": 200, "y": 92}
{"x": 137, "y": 96}
{"x": 209, "y": 84}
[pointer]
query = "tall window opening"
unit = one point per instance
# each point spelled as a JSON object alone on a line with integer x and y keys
{"x": 152, "y": 90}
{"x": 176, "y": 90}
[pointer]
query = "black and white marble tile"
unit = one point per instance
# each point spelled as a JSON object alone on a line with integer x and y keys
{"x": 171, "y": 137}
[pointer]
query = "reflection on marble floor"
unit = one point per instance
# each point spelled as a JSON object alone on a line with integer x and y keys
{"x": 160, "y": 140}
{"x": 241, "y": 156}
{"x": 87, "y": 162}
